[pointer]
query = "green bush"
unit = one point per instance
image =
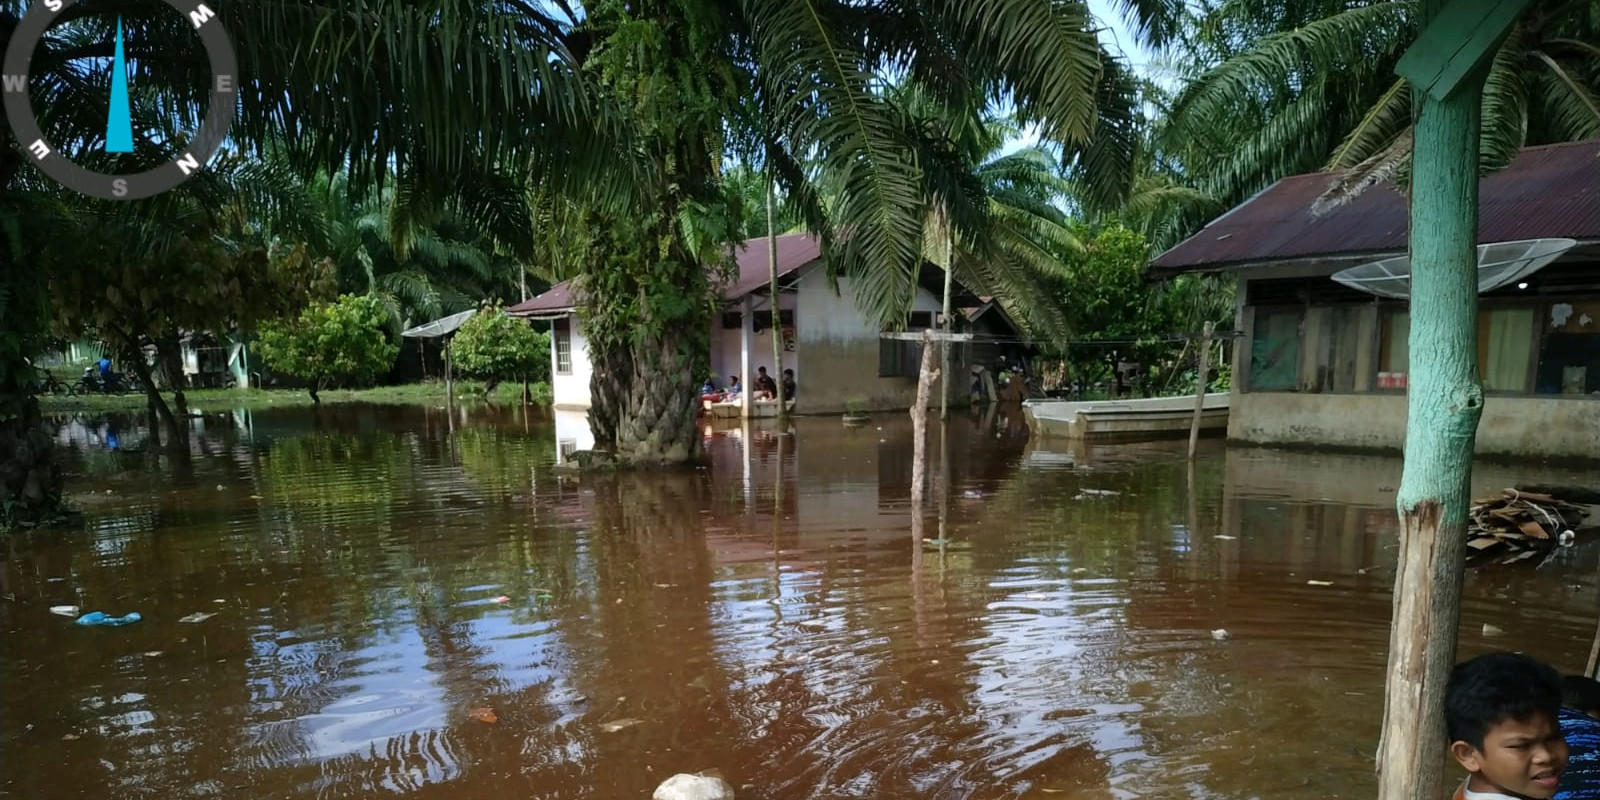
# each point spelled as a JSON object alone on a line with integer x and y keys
{"x": 495, "y": 346}
{"x": 331, "y": 343}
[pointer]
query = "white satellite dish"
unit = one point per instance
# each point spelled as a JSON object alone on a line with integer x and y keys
{"x": 443, "y": 326}
{"x": 1499, "y": 263}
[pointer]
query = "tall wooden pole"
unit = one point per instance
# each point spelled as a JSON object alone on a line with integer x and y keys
{"x": 777, "y": 316}
{"x": 1200, "y": 389}
{"x": 1445, "y": 397}
{"x": 1592, "y": 668}
{"x": 926, "y": 375}
{"x": 947, "y": 258}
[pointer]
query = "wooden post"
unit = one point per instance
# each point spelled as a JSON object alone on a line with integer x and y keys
{"x": 947, "y": 252}
{"x": 777, "y": 314}
{"x": 1444, "y": 401}
{"x": 919, "y": 439}
{"x": 747, "y": 318}
{"x": 449, "y": 389}
{"x": 1200, "y": 389}
{"x": 1592, "y": 669}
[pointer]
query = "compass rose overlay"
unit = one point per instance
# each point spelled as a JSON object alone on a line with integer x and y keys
{"x": 205, "y": 143}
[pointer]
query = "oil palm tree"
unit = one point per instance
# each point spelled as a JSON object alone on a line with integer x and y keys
{"x": 803, "y": 86}
{"x": 1281, "y": 89}
{"x": 625, "y": 107}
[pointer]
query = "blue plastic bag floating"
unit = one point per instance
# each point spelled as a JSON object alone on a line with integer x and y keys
{"x": 102, "y": 618}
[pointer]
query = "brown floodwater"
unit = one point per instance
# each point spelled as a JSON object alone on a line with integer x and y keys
{"x": 377, "y": 573}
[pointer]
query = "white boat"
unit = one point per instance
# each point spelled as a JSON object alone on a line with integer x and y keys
{"x": 730, "y": 409}
{"x": 1125, "y": 420}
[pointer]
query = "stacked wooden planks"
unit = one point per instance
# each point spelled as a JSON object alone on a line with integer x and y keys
{"x": 1515, "y": 525}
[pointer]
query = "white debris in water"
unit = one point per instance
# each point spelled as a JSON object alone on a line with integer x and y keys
{"x": 693, "y": 787}
{"x": 1490, "y": 630}
{"x": 620, "y": 724}
{"x": 1221, "y": 634}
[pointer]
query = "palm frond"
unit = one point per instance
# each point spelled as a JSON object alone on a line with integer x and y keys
{"x": 1377, "y": 129}
{"x": 838, "y": 115}
{"x": 1044, "y": 54}
{"x": 1505, "y": 105}
{"x": 1572, "y": 108}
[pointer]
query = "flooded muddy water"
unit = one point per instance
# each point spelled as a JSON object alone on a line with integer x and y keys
{"x": 378, "y": 573}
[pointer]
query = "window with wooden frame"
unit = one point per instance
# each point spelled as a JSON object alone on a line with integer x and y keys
{"x": 561, "y": 335}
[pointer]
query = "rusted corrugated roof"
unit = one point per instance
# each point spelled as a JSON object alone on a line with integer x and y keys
{"x": 1548, "y": 191}
{"x": 795, "y": 250}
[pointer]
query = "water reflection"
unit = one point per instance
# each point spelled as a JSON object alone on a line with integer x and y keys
{"x": 377, "y": 572}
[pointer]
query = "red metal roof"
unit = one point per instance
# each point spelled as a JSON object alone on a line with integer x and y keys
{"x": 1547, "y": 191}
{"x": 795, "y": 250}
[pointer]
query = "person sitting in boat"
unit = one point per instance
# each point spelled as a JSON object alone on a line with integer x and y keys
{"x": 788, "y": 384}
{"x": 733, "y": 390}
{"x": 766, "y": 387}
{"x": 708, "y": 390}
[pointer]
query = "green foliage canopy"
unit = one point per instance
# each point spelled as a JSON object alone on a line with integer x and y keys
{"x": 329, "y": 342}
{"x": 496, "y": 346}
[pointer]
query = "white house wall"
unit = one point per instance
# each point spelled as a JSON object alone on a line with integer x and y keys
{"x": 572, "y": 391}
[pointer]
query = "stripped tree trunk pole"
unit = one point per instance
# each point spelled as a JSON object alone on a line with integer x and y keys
{"x": 1444, "y": 403}
{"x": 947, "y": 256}
{"x": 919, "y": 438}
{"x": 1200, "y": 389}
{"x": 777, "y": 316}
{"x": 1592, "y": 669}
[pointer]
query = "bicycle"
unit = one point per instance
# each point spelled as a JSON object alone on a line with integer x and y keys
{"x": 50, "y": 384}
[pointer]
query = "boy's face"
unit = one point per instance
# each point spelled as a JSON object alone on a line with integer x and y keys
{"x": 1522, "y": 758}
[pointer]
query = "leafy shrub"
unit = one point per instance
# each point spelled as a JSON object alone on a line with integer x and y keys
{"x": 495, "y": 346}
{"x": 331, "y": 343}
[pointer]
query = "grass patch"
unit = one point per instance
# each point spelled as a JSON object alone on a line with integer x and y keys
{"x": 427, "y": 393}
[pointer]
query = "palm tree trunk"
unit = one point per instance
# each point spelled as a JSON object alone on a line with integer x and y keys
{"x": 1444, "y": 403}
{"x": 777, "y": 315}
{"x": 643, "y": 400}
{"x": 169, "y": 354}
{"x": 30, "y": 479}
{"x": 648, "y": 351}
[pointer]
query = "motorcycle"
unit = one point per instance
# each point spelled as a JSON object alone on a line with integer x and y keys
{"x": 91, "y": 382}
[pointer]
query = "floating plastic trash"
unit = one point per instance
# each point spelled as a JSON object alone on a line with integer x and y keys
{"x": 197, "y": 617}
{"x": 65, "y": 611}
{"x": 102, "y": 618}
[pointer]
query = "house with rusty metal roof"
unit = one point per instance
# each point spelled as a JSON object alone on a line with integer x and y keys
{"x": 838, "y": 353}
{"x": 1323, "y": 351}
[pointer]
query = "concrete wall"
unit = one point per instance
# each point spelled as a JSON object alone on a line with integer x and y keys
{"x": 839, "y": 346}
{"x": 1511, "y": 426}
{"x": 571, "y": 391}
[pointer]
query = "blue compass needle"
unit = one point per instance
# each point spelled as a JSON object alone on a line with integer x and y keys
{"x": 119, "y": 122}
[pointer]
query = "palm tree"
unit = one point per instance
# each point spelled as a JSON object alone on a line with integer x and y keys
{"x": 1282, "y": 89}
{"x": 818, "y": 116}
{"x": 421, "y": 264}
{"x": 626, "y": 108}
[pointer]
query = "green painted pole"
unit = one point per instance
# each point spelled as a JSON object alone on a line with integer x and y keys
{"x": 1444, "y": 403}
